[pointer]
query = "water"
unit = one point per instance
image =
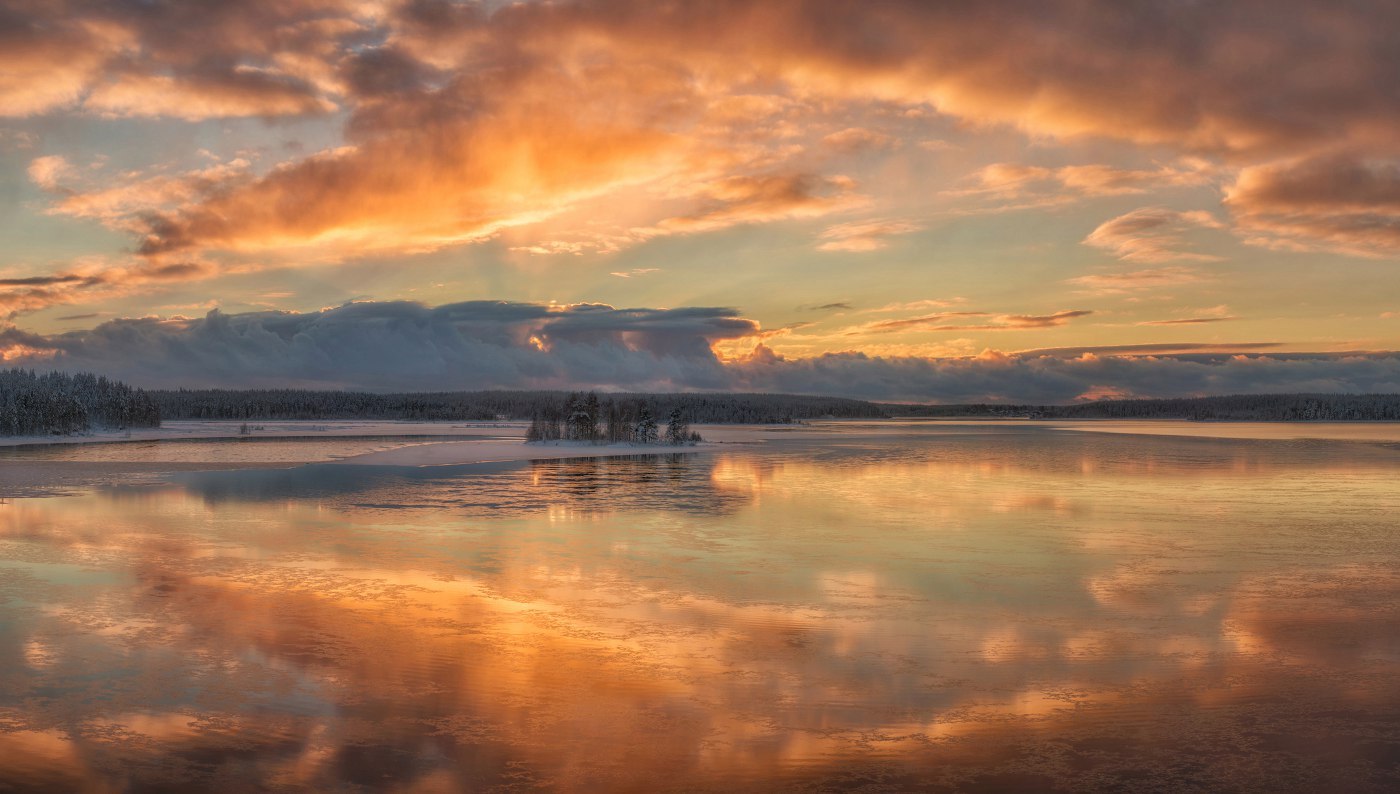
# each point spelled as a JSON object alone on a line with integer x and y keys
{"x": 890, "y": 607}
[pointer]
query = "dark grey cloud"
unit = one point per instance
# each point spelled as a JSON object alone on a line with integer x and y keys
{"x": 1057, "y": 379}
{"x": 39, "y": 281}
{"x": 403, "y": 345}
{"x": 496, "y": 344}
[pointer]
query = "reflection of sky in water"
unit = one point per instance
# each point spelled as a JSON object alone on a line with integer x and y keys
{"x": 997, "y": 609}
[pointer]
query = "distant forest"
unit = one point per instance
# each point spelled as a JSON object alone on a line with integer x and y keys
{"x": 59, "y": 403}
{"x": 489, "y": 405}
{"x": 1241, "y": 407}
{"x": 56, "y": 403}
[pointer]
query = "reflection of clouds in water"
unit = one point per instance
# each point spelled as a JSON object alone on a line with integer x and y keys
{"x": 954, "y": 613}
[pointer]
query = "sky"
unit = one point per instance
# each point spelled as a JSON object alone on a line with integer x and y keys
{"x": 1047, "y": 200}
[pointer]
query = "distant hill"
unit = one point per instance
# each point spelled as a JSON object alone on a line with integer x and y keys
{"x": 487, "y": 405}
{"x": 1239, "y": 407}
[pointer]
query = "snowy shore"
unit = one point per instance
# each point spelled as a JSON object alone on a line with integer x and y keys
{"x": 421, "y": 443}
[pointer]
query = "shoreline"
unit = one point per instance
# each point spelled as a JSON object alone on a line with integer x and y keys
{"x": 461, "y": 443}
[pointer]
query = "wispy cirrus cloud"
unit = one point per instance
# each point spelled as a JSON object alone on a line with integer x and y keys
{"x": 1153, "y": 234}
{"x": 1190, "y": 321}
{"x": 1136, "y": 280}
{"x": 860, "y": 236}
{"x": 952, "y": 321}
{"x": 1019, "y": 186}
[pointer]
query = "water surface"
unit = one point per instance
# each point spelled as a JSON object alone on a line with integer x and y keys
{"x": 887, "y": 608}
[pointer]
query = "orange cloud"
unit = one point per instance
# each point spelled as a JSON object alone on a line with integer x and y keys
{"x": 189, "y": 61}
{"x": 465, "y": 121}
{"x": 48, "y": 64}
{"x": 92, "y": 281}
{"x": 1136, "y": 280}
{"x": 239, "y": 92}
{"x": 998, "y": 322}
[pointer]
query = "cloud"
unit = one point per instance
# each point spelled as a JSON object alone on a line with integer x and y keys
{"x": 12, "y": 140}
{"x": 462, "y": 122}
{"x": 864, "y": 235}
{"x": 491, "y": 344}
{"x": 1030, "y": 378}
{"x": 129, "y": 201}
{"x": 1151, "y": 348}
{"x": 401, "y": 345}
{"x": 47, "y": 171}
{"x": 947, "y": 321}
{"x": 92, "y": 280}
{"x": 1341, "y": 203}
{"x": 927, "y": 303}
{"x": 1190, "y": 321}
{"x": 182, "y": 60}
{"x": 1017, "y": 181}
{"x": 551, "y": 104}
{"x": 47, "y": 60}
{"x": 767, "y": 197}
{"x": 197, "y": 97}
{"x": 1136, "y": 280}
{"x": 858, "y": 139}
{"x": 636, "y": 271}
{"x": 1153, "y": 234}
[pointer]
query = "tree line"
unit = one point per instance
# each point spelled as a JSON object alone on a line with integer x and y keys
{"x": 1238, "y": 407}
{"x": 57, "y": 403}
{"x": 608, "y": 421}
{"x": 275, "y": 404}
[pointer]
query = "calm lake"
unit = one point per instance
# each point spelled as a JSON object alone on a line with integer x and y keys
{"x": 895, "y": 606}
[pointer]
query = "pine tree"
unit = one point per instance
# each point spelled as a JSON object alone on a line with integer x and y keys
{"x": 677, "y": 430}
{"x": 646, "y": 426}
{"x": 591, "y": 411}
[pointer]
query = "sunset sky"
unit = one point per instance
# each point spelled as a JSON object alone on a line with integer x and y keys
{"x": 916, "y": 201}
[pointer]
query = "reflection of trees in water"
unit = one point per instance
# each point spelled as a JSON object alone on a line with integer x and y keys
{"x": 680, "y": 482}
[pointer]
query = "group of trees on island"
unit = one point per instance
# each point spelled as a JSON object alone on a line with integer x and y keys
{"x": 55, "y": 403}
{"x": 607, "y": 421}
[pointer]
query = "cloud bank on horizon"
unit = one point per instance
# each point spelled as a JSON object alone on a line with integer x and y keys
{"x": 886, "y": 188}
{"x": 496, "y": 345}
